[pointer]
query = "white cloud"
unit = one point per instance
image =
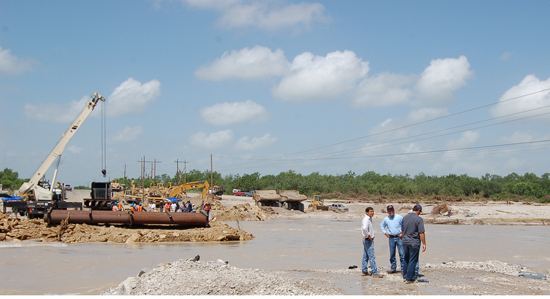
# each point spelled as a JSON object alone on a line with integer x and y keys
{"x": 414, "y": 117}
{"x": 74, "y": 149}
{"x": 213, "y": 141}
{"x": 383, "y": 90}
{"x": 127, "y": 134}
{"x": 505, "y": 56}
{"x": 440, "y": 78}
{"x": 234, "y": 113}
{"x": 56, "y": 113}
{"x": 246, "y": 64}
{"x": 264, "y": 14}
{"x": 517, "y": 99}
{"x": 254, "y": 144}
{"x": 131, "y": 97}
{"x": 467, "y": 138}
{"x": 517, "y": 137}
{"x": 11, "y": 65}
{"x": 317, "y": 77}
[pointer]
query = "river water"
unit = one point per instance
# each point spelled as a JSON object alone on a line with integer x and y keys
{"x": 281, "y": 244}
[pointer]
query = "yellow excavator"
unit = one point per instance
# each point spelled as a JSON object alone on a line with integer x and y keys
{"x": 191, "y": 185}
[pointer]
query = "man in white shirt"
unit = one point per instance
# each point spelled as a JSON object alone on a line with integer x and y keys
{"x": 368, "y": 244}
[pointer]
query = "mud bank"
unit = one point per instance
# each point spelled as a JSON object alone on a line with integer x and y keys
{"x": 188, "y": 277}
{"x": 12, "y": 228}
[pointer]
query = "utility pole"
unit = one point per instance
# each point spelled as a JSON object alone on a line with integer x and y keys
{"x": 211, "y": 177}
{"x": 178, "y": 175}
{"x": 185, "y": 171}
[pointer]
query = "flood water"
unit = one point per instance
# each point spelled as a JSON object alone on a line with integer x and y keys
{"x": 281, "y": 244}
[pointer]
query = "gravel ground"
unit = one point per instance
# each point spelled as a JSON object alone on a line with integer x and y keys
{"x": 187, "y": 277}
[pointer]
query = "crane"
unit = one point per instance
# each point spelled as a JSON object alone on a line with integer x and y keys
{"x": 32, "y": 190}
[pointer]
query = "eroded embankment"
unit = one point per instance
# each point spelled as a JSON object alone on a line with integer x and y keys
{"x": 12, "y": 228}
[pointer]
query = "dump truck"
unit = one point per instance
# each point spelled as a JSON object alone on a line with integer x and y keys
{"x": 288, "y": 199}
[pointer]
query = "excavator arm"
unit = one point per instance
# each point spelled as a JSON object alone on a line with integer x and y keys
{"x": 191, "y": 185}
{"x": 32, "y": 185}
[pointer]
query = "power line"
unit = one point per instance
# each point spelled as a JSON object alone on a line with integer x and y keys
{"x": 402, "y": 127}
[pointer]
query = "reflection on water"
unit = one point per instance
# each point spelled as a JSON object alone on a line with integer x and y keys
{"x": 280, "y": 244}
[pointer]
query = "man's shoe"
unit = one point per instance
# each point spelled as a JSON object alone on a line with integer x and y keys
{"x": 366, "y": 273}
{"x": 409, "y": 282}
{"x": 378, "y": 275}
{"x": 391, "y": 272}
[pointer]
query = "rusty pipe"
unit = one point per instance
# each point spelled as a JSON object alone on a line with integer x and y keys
{"x": 125, "y": 217}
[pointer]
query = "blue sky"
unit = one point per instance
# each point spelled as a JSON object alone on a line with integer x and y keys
{"x": 271, "y": 86}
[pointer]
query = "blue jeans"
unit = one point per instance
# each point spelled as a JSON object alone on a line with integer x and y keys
{"x": 412, "y": 253}
{"x": 368, "y": 256}
{"x": 396, "y": 242}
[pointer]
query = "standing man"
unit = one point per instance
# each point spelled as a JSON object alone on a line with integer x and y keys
{"x": 393, "y": 224}
{"x": 413, "y": 237}
{"x": 368, "y": 244}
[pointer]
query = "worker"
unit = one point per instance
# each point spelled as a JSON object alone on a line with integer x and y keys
{"x": 189, "y": 208}
{"x": 167, "y": 207}
{"x": 119, "y": 204}
{"x": 173, "y": 207}
{"x": 152, "y": 207}
{"x": 207, "y": 209}
{"x": 114, "y": 208}
{"x": 133, "y": 207}
{"x": 140, "y": 208}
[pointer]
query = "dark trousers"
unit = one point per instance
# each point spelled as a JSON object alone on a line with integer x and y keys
{"x": 412, "y": 253}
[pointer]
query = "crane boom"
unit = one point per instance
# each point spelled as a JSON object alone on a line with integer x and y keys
{"x": 32, "y": 184}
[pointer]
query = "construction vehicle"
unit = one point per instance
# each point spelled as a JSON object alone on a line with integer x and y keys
{"x": 39, "y": 195}
{"x": 101, "y": 196}
{"x": 288, "y": 199}
{"x": 175, "y": 192}
{"x": 318, "y": 203}
{"x": 217, "y": 190}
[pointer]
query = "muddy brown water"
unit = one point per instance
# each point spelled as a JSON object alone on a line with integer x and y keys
{"x": 33, "y": 268}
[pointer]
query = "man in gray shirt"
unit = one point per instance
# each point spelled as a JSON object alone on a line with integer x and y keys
{"x": 413, "y": 237}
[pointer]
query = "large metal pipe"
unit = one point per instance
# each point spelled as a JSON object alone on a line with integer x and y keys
{"x": 126, "y": 217}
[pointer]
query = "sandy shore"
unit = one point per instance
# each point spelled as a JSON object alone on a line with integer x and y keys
{"x": 188, "y": 277}
{"x": 478, "y": 213}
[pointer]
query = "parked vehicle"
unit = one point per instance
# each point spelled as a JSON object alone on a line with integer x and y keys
{"x": 238, "y": 192}
{"x": 338, "y": 207}
{"x": 68, "y": 187}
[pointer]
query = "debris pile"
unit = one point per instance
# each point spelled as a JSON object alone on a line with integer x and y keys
{"x": 440, "y": 208}
{"x": 240, "y": 212}
{"x": 192, "y": 277}
{"x": 24, "y": 229}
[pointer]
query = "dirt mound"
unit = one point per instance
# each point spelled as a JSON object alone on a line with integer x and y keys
{"x": 24, "y": 229}
{"x": 292, "y": 195}
{"x": 268, "y": 194}
{"x": 440, "y": 208}
{"x": 241, "y": 212}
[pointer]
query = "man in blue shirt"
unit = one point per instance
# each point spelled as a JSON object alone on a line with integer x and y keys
{"x": 391, "y": 227}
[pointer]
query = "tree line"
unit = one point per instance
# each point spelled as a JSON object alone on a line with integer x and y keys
{"x": 370, "y": 183}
